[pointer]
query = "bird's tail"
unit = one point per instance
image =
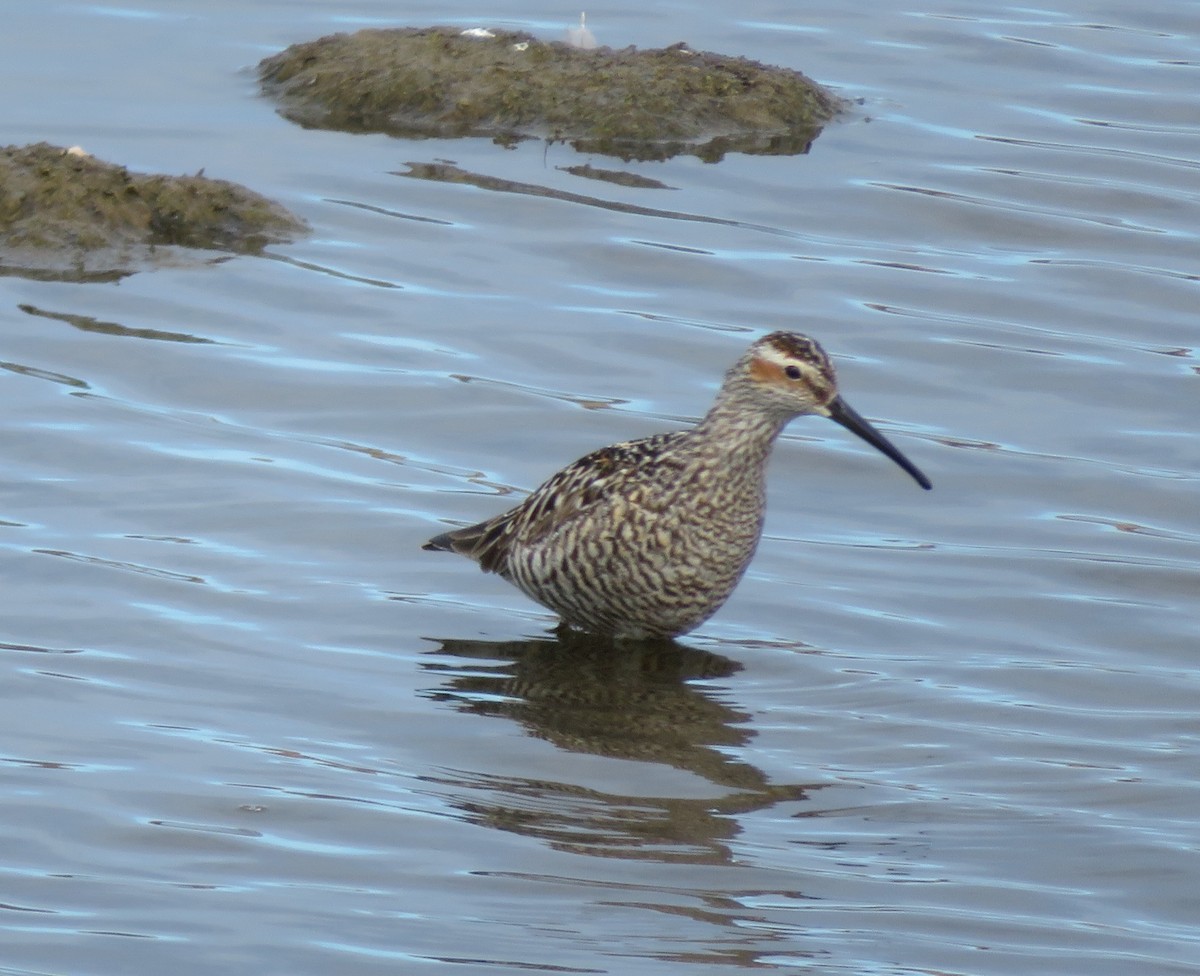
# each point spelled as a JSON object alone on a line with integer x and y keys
{"x": 486, "y": 543}
{"x": 440, "y": 543}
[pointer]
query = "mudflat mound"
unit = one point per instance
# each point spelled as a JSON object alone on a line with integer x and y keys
{"x": 635, "y": 104}
{"x": 66, "y": 214}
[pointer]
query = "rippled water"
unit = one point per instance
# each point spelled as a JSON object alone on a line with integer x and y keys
{"x": 247, "y": 724}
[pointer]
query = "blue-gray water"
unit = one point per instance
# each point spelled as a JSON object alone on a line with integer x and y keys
{"x": 246, "y": 725}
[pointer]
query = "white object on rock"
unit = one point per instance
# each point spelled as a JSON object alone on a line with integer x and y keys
{"x": 580, "y": 36}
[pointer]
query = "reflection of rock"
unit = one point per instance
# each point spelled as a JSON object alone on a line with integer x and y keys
{"x": 635, "y": 104}
{"x": 86, "y": 323}
{"x": 448, "y": 173}
{"x": 617, "y": 177}
{"x": 621, "y": 701}
{"x": 64, "y": 214}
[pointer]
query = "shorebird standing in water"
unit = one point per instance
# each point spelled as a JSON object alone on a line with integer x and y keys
{"x": 647, "y": 539}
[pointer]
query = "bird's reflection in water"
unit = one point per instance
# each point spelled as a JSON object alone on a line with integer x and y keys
{"x": 636, "y": 701}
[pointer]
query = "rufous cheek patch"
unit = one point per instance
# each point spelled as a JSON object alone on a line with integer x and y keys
{"x": 764, "y": 371}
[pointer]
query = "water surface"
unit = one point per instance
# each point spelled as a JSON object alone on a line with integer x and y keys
{"x": 248, "y": 724}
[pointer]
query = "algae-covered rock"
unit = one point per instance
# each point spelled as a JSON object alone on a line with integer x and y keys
{"x": 65, "y": 214}
{"x": 634, "y": 104}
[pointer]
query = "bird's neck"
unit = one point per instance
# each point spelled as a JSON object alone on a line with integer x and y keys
{"x": 736, "y": 429}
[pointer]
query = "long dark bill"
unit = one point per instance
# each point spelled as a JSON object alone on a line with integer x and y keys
{"x": 854, "y": 422}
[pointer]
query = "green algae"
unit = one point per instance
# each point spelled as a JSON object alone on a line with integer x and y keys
{"x": 635, "y": 104}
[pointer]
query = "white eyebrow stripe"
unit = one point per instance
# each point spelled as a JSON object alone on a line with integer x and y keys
{"x": 776, "y": 356}
{"x": 782, "y": 360}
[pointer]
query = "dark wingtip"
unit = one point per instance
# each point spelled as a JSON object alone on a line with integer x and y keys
{"x": 439, "y": 543}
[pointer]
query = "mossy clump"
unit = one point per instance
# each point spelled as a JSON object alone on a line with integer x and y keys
{"x": 61, "y": 209}
{"x": 442, "y": 82}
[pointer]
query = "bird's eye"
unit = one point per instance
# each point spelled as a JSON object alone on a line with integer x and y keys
{"x": 793, "y": 372}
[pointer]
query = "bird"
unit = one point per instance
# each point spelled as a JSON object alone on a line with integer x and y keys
{"x": 646, "y": 539}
